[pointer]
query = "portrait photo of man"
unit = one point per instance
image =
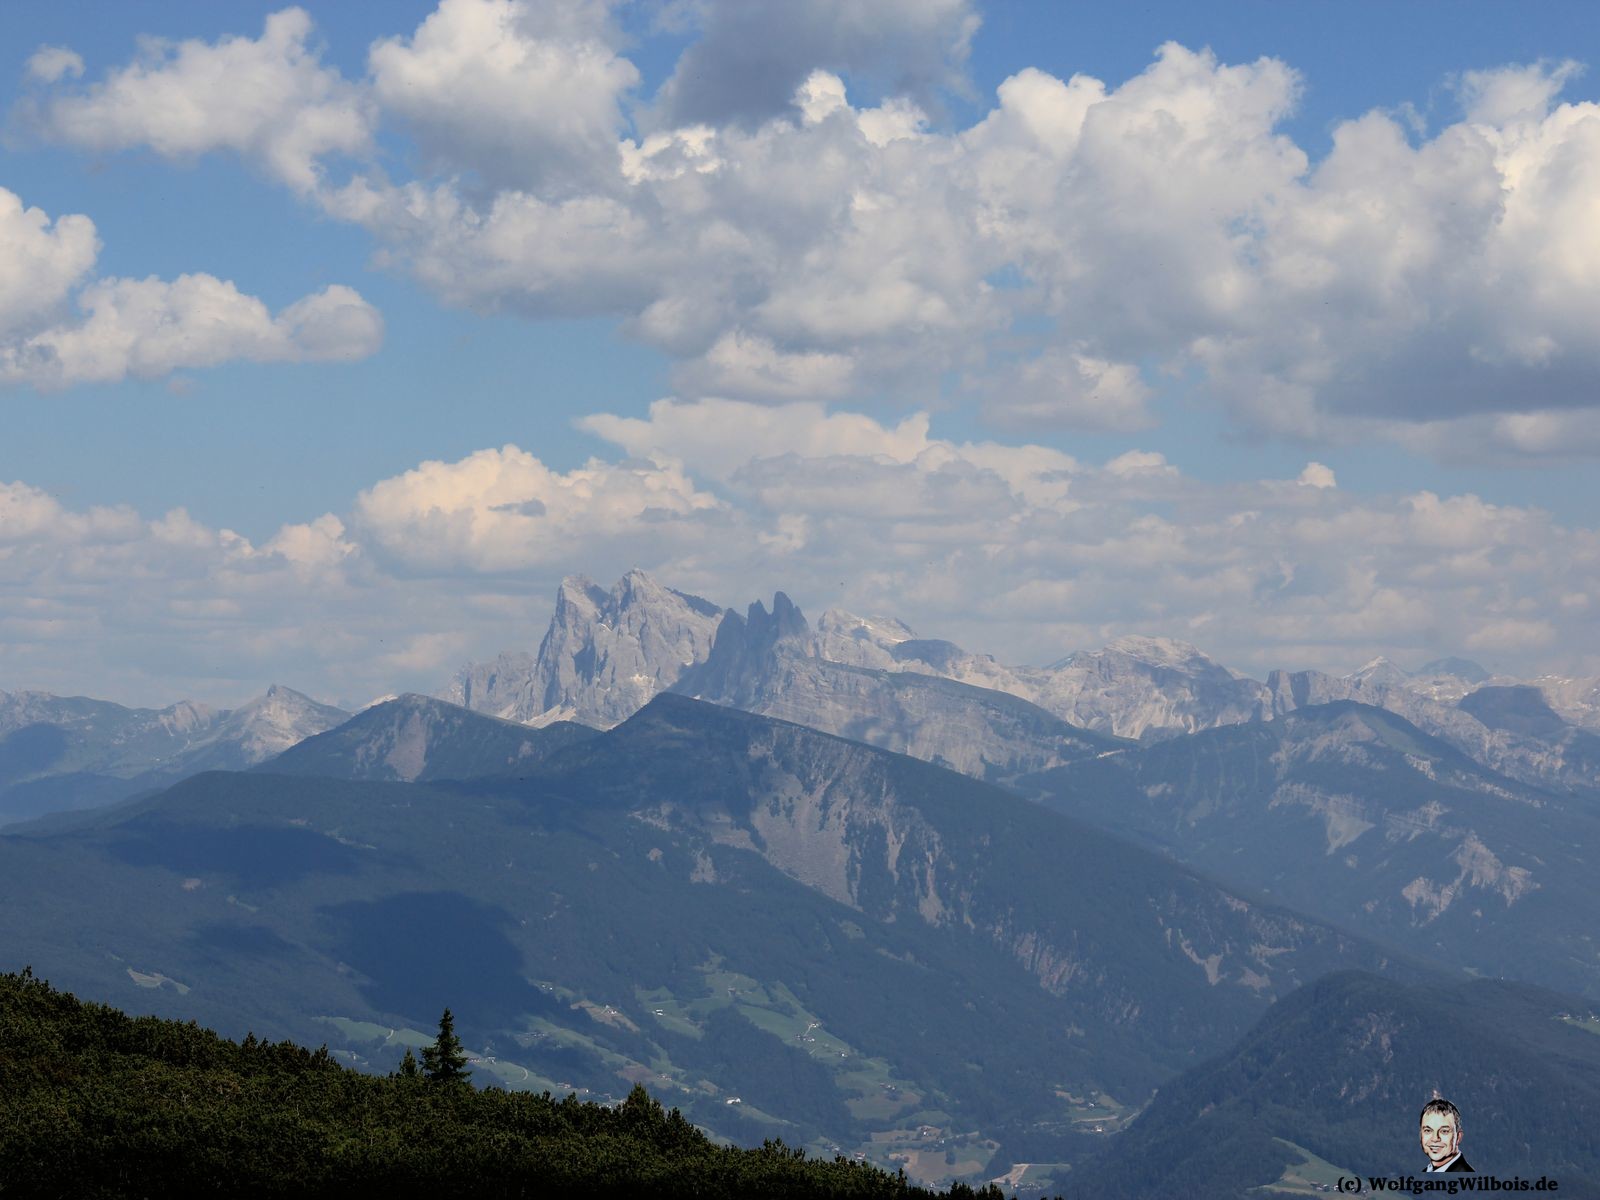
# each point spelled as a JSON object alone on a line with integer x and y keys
{"x": 1441, "y": 1136}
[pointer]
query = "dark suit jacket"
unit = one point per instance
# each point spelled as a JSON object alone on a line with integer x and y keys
{"x": 1460, "y": 1164}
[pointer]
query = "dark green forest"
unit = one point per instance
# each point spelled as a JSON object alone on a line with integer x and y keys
{"x": 94, "y": 1103}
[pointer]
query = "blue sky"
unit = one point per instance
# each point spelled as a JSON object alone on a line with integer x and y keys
{"x": 929, "y": 328}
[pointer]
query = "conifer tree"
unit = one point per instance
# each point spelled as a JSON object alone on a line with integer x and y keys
{"x": 445, "y": 1061}
{"x": 408, "y": 1066}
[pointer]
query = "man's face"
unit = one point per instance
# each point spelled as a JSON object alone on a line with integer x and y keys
{"x": 1440, "y": 1137}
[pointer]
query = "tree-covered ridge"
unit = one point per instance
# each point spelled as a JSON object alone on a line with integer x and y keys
{"x": 94, "y": 1103}
{"x": 1341, "y": 1070}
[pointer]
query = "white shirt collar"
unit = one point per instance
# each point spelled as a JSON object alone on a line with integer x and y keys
{"x": 1445, "y": 1165}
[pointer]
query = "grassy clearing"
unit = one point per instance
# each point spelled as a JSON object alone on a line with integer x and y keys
{"x": 1096, "y": 1112}
{"x": 1312, "y": 1176}
{"x": 669, "y": 1011}
{"x": 873, "y": 1092}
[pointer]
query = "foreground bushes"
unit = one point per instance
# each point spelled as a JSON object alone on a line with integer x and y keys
{"x": 94, "y": 1103}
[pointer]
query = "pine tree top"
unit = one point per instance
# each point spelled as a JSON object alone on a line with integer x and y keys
{"x": 445, "y": 1061}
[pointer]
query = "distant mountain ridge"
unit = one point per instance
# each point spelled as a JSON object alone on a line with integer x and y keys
{"x": 1540, "y": 747}
{"x": 1354, "y": 814}
{"x": 608, "y": 652}
{"x": 60, "y": 752}
{"x": 766, "y": 663}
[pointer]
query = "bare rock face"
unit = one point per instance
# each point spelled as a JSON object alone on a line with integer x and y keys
{"x": 767, "y": 663}
{"x": 1354, "y": 814}
{"x": 874, "y": 679}
{"x": 262, "y": 728}
{"x": 1576, "y": 700}
{"x": 1508, "y": 728}
{"x": 1144, "y": 687}
{"x": 605, "y": 655}
{"x": 1136, "y": 687}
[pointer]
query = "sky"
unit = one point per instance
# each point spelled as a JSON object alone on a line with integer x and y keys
{"x": 332, "y": 337}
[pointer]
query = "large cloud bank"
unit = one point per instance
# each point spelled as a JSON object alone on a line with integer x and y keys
{"x": 1056, "y": 257}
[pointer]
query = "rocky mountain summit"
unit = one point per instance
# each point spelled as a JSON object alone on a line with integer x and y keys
{"x": 417, "y": 739}
{"x": 767, "y": 663}
{"x": 607, "y": 653}
{"x": 1507, "y": 726}
{"x": 604, "y": 657}
{"x": 1134, "y": 687}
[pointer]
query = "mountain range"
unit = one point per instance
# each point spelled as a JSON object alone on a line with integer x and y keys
{"x": 783, "y": 932}
{"x": 1354, "y": 814}
{"x": 607, "y": 652}
{"x": 836, "y": 882}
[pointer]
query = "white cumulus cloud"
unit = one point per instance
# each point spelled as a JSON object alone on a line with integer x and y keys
{"x": 146, "y": 328}
{"x": 524, "y": 94}
{"x": 49, "y": 64}
{"x": 504, "y": 510}
{"x": 1082, "y": 241}
{"x": 268, "y": 98}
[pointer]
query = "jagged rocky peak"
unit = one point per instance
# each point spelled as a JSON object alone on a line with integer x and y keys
{"x": 744, "y": 651}
{"x": 1380, "y": 672}
{"x": 605, "y": 654}
{"x": 1145, "y": 687}
{"x": 843, "y": 637}
{"x": 1168, "y": 653}
{"x": 784, "y": 623}
{"x": 268, "y": 725}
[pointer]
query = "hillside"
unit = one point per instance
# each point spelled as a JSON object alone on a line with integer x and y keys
{"x": 1342, "y": 1069}
{"x": 784, "y": 933}
{"x": 417, "y": 738}
{"x": 94, "y": 1103}
{"x": 1352, "y": 813}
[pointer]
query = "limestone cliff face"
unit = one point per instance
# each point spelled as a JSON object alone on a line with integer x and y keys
{"x": 903, "y": 843}
{"x": 766, "y": 663}
{"x": 1135, "y": 687}
{"x": 605, "y": 655}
